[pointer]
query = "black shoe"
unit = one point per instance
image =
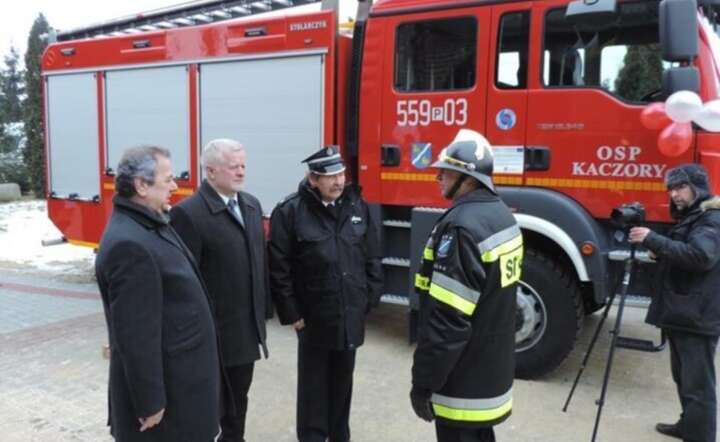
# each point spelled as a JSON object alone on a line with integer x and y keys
{"x": 672, "y": 430}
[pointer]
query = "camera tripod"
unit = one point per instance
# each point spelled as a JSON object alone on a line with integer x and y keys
{"x": 616, "y": 339}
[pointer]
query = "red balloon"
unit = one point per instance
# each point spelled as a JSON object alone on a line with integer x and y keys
{"x": 675, "y": 139}
{"x": 654, "y": 117}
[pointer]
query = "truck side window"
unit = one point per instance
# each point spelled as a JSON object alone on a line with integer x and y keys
{"x": 436, "y": 55}
{"x": 623, "y": 58}
{"x": 512, "y": 53}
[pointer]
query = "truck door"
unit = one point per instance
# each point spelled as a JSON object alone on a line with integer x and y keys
{"x": 585, "y": 102}
{"x": 435, "y": 68}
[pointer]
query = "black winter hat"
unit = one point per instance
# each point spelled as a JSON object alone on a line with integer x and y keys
{"x": 692, "y": 174}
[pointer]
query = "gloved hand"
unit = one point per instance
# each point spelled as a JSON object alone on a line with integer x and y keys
{"x": 420, "y": 400}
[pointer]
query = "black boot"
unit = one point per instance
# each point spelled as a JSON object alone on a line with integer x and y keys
{"x": 672, "y": 430}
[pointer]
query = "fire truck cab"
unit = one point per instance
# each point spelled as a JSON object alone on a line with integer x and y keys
{"x": 556, "y": 86}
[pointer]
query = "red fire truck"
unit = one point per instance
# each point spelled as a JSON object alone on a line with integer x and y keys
{"x": 556, "y": 86}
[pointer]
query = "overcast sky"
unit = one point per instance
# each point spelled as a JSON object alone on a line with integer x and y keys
{"x": 18, "y": 15}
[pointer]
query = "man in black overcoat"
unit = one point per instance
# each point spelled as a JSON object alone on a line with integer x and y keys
{"x": 325, "y": 275}
{"x": 164, "y": 377}
{"x": 222, "y": 227}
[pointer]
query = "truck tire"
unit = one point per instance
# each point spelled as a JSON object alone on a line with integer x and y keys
{"x": 549, "y": 315}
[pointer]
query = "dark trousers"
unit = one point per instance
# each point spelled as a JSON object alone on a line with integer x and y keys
{"x": 324, "y": 394}
{"x": 233, "y": 424}
{"x": 446, "y": 433}
{"x": 692, "y": 360}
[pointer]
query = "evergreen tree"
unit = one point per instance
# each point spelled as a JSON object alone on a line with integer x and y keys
{"x": 34, "y": 153}
{"x": 11, "y": 88}
{"x": 12, "y": 167}
{"x": 641, "y": 73}
{"x": 5, "y": 143}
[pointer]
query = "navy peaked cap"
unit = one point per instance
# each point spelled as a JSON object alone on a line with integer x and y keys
{"x": 326, "y": 161}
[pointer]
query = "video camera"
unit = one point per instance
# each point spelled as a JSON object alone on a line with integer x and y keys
{"x": 628, "y": 215}
{"x": 624, "y": 217}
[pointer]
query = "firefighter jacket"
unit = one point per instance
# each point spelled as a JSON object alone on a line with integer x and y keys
{"x": 325, "y": 266}
{"x": 466, "y": 286}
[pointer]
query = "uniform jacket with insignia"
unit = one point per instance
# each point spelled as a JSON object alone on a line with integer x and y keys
{"x": 466, "y": 286}
{"x": 325, "y": 266}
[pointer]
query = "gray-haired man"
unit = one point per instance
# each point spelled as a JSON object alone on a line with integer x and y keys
{"x": 222, "y": 226}
{"x": 164, "y": 370}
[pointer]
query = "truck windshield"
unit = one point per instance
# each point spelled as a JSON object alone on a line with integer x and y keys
{"x": 712, "y": 31}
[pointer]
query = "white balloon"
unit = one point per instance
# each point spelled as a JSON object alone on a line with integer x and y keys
{"x": 709, "y": 117}
{"x": 683, "y": 106}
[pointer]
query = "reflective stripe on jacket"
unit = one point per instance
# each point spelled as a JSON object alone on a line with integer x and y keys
{"x": 466, "y": 286}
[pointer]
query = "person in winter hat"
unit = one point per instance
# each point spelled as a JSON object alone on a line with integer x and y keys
{"x": 696, "y": 178}
{"x": 686, "y": 304}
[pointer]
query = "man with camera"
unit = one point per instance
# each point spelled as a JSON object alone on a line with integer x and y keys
{"x": 686, "y": 304}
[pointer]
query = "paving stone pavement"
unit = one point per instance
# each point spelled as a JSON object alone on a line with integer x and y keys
{"x": 53, "y": 379}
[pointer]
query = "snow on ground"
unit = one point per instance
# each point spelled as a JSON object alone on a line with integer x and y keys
{"x": 23, "y": 225}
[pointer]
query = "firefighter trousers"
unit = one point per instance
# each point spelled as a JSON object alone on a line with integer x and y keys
{"x": 325, "y": 380}
{"x": 447, "y": 433}
{"x": 692, "y": 361}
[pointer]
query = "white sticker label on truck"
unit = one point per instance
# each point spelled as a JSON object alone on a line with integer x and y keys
{"x": 508, "y": 160}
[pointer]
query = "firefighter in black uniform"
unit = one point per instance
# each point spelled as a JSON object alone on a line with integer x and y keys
{"x": 464, "y": 363}
{"x": 325, "y": 275}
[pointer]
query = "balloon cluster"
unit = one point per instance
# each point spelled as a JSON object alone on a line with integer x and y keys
{"x": 675, "y": 118}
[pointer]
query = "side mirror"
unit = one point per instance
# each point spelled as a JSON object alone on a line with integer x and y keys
{"x": 680, "y": 79}
{"x": 678, "y": 30}
{"x": 591, "y": 14}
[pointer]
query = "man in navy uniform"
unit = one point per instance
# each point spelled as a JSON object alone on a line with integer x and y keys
{"x": 325, "y": 275}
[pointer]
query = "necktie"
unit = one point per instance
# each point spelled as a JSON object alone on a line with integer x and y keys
{"x": 235, "y": 210}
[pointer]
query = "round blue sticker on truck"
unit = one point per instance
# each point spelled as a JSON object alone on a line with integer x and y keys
{"x": 506, "y": 119}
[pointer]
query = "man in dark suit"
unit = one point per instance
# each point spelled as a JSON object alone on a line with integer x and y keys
{"x": 164, "y": 366}
{"x": 325, "y": 276}
{"x": 222, "y": 226}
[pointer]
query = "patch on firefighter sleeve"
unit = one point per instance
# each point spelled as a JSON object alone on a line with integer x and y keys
{"x": 445, "y": 246}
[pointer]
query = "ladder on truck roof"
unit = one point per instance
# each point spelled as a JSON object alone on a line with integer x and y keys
{"x": 190, "y": 13}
